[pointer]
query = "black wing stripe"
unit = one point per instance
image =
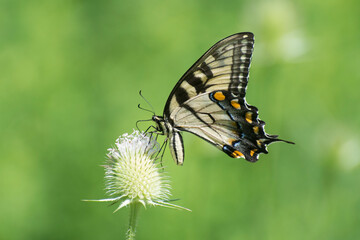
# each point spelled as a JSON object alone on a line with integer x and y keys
{"x": 196, "y": 82}
{"x": 181, "y": 95}
{"x": 206, "y": 70}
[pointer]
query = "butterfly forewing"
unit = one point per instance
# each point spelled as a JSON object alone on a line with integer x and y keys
{"x": 223, "y": 66}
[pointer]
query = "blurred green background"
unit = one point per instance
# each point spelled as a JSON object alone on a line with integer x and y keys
{"x": 70, "y": 73}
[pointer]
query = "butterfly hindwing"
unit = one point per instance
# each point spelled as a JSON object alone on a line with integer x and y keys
{"x": 233, "y": 128}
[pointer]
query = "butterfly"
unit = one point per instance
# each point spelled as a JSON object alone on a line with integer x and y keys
{"x": 209, "y": 101}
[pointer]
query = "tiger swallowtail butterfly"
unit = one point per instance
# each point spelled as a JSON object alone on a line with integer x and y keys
{"x": 209, "y": 101}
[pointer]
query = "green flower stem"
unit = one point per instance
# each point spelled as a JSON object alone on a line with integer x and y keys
{"x": 134, "y": 210}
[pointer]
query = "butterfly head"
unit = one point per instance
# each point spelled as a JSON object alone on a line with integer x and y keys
{"x": 160, "y": 124}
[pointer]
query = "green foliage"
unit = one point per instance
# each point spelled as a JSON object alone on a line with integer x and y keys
{"x": 70, "y": 76}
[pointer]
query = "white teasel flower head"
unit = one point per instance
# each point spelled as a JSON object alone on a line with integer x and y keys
{"x": 131, "y": 174}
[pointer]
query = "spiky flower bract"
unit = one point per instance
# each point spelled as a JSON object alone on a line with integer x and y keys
{"x": 133, "y": 178}
{"x": 132, "y": 175}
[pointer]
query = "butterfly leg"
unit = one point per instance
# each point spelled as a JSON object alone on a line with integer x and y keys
{"x": 151, "y": 126}
{"x": 162, "y": 151}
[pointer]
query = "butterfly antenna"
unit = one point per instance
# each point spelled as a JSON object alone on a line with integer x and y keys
{"x": 152, "y": 108}
{"x": 146, "y": 109}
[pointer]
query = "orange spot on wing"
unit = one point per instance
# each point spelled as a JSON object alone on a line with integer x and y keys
{"x": 256, "y": 129}
{"x": 237, "y": 154}
{"x": 235, "y": 104}
{"x": 252, "y": 152}
{"x": 259, "y": 143}
{"x": 248, "y": 117}
{"x": 219, "y": 96}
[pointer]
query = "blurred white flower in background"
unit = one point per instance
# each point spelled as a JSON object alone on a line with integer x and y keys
{"x": 278, "y": 25}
